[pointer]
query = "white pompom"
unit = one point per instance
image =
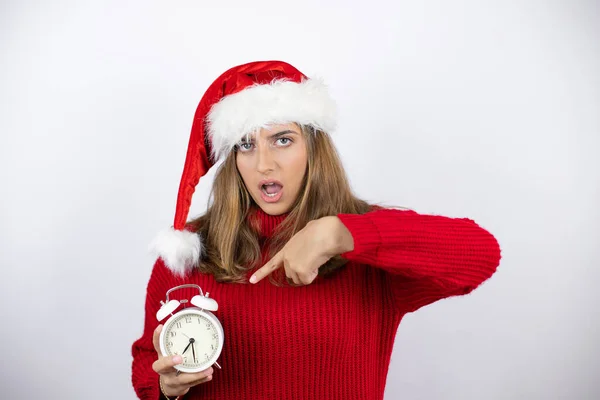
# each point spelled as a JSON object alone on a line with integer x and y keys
{"x": 180, "y": 250}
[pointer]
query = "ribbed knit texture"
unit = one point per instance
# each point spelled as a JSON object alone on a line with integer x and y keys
{"x": 331, "y": 339}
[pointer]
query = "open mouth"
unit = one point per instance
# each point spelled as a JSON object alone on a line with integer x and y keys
{"x": 271, "y": 189}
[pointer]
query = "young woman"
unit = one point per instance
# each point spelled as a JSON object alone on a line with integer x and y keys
{"x": 311, "y": 281}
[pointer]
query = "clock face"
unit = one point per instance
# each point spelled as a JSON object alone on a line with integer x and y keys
{"x": 195, "y": 335}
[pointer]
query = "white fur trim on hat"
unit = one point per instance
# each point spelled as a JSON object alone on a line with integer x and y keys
{"x": 280, "y": 102}
{"x": 179, "y": 250}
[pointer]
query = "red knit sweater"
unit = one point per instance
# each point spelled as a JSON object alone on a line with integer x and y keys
{"x": 331, "y": 339}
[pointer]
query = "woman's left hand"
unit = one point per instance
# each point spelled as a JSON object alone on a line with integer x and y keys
{"x": 307, "y": 250}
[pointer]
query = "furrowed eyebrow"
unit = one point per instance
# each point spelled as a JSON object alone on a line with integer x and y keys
{"x": 250, "y": 139}
{"x": 279, "y": 134}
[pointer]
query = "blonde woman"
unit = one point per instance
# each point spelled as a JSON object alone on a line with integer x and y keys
{"x": 312, "y": 282}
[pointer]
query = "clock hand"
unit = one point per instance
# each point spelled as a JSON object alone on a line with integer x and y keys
{"x": 193, "y": 350}
{"x": 185, "y": 335}
{"x": 186, "y": 347}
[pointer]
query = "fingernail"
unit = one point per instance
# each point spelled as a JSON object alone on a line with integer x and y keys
{"x": 177, "y": 359}
{"x": 253, "y": 279}
{"x": 157, "y": 328}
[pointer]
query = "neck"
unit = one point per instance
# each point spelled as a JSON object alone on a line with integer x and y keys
{"x": 266, "y": 224}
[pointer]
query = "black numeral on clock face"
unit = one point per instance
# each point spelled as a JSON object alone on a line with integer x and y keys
{"x": 188, "y": 320}
{"x": 173, "y": 334}
{"x": 178, "y": 325}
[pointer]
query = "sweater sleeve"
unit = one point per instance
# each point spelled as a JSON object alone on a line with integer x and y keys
{"x": 144, "y": 379}
{"x": 428, "y": 257}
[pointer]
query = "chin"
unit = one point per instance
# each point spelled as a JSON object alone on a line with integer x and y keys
{"x": 274, "y": 209}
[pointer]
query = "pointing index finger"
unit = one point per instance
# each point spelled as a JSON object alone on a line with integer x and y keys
{"x": 266, "y": 269}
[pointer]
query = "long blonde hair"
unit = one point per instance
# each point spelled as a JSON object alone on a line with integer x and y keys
{"x": 230, "y": 238}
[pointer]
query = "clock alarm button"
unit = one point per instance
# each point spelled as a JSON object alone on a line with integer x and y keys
{"x": 167, "y": 309}
{"x": 206, "y": 303}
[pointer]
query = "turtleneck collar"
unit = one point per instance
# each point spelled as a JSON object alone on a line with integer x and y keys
{"x": 266, "y": 224}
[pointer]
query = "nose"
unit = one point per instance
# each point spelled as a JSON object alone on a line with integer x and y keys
{"x": 265, "y": 162}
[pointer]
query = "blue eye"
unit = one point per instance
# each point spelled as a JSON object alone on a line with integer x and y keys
{"x": 284, "y": 141}
{"x": 245, "y": 146}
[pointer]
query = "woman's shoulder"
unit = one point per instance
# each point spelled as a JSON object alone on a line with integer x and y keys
{"x": 378, "y": 207}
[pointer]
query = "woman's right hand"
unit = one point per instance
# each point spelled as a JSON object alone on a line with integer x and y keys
{"x": 172, "y": 384}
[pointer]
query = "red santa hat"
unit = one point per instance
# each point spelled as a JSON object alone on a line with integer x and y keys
{"x": 241, "y": 101}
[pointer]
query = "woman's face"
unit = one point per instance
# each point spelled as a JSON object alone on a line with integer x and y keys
{"x": 272, "y": 164}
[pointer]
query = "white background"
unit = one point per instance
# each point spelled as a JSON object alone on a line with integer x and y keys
{"x": 483, "y": 109}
